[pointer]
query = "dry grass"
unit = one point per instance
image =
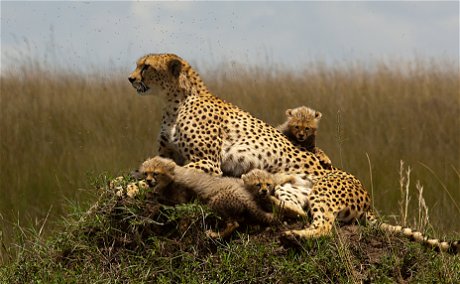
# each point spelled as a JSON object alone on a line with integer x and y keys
{"x": 60, "y": 128}
{"x": 404, "y": 189}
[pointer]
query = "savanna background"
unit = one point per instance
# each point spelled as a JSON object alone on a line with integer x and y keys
{"x": 63, "y": 126}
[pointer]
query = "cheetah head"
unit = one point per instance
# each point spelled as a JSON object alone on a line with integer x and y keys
{"x": 158, "y": 171}
{"x": 303, "y": 122}
{"x": 259, "y": 182}
{"x": 164, "y": 72}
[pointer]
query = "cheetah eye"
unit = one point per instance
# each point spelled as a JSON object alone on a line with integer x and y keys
{"x": 259, "y": 185}
{"x": 296, "y": 127}
{"x": 269, "y": 185}
{"x": 307, "y": 128}
{"x": 145, "y": 67}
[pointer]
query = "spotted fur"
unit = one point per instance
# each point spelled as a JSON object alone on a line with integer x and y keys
{"x": 206, "y": 133}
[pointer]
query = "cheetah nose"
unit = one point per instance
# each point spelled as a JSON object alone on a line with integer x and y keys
{"x": 264, "y": 192}
{"x": 131, "y": 79}
{"x": 150, "y": 182}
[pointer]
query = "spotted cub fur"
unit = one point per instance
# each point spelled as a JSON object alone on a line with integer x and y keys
{"x": 225, "y": 195}
{"x": 262, "y": 183}
{"x": 272, "y": 189}
{"x": 301, "y": 127}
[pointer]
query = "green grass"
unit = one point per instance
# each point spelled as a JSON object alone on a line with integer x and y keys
{"x": 141, "y": 241}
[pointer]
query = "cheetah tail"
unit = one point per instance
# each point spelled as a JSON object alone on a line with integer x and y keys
{"x": 452, "y": 247}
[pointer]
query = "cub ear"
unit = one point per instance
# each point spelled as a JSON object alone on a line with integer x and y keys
{"x": 318, "y": 115}
{"x": 137, "y": 174}
{"x": 289, "y": 112}
{"x": 171, "y": 166}
{"x": 175, "y": 67}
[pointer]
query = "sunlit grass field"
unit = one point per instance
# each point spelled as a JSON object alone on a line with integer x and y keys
{"x": 60, "y": 129}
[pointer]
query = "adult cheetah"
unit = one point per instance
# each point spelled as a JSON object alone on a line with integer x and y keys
{"x": 217, "y": 137}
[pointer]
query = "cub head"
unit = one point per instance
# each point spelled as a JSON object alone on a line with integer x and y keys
{"x": 303, "y": 122}
{"x": 164, "y": 72}
{"x": 259, "y": 182}
{"x": 158, "y": 171}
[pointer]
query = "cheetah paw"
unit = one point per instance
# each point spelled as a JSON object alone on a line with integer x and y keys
{"x": 132, "y": 190}
{"x": 211, "y": 234}
{"x": 289, "y": 239}
{"x": 291, "y": 233}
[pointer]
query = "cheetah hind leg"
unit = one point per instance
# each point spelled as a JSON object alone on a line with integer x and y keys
{"x": 321, "y": 226}
{"x": 231, "y": 226}
{"x": 287, "y": 208}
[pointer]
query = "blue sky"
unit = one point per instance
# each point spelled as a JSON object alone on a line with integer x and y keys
{"x": 77, "y": 35}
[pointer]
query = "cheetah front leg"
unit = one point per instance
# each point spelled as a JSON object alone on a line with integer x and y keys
{"x": 167, "y": 152}
{"x": 202, "y": 148}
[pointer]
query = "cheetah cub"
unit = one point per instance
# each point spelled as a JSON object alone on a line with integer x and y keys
{"x": 261, "y": 183}
{"x": 271, "y": 189}
{"x": 226, "y": 196}
{"x": 300, "y": 128}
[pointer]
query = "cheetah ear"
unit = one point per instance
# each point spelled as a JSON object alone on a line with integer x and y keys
{"x": 244, "y": 177}
{"x": 289, "y": 112}
{"x": 175, "y": 67}
{"x": 137, "y": 174}
{"x": 318, "y": 115}
{"x": 173, "y": 166}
